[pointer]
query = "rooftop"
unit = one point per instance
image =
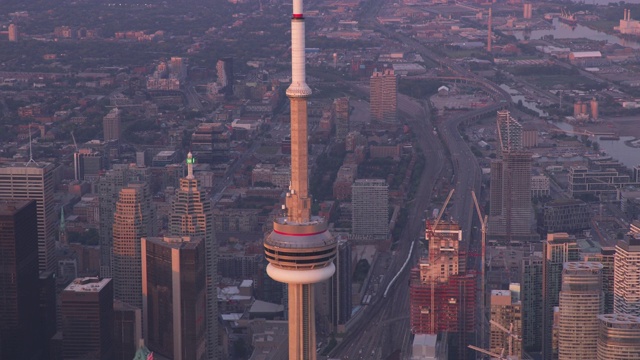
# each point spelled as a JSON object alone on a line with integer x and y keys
{"x": 87, "y": 284}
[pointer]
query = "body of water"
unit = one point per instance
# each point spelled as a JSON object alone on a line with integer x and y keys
{"x": 563, "y": 31}
{"x": 516, "y": 96}
{"x": 618, "y": 150}
{"x": 607, "y": 2}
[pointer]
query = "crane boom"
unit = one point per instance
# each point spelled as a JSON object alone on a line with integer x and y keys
{"x": 487, "y": 352}
{"x": 444, "y": 206}
{"x": 483, "y": 300}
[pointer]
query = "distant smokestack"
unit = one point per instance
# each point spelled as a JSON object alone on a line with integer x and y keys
{"x": 489, "y": 32}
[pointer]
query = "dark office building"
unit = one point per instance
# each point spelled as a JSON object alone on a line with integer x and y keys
{"x": 87, "y": 319}
{"x": 87, "y": 164}
{"x": 340, "y": 304}
{"x": 127, "y": 330}
{"x": 18, "y": 279}
{"x": 173, "y": 296}
{"x": 211, "y": 143}
{"x": 47, "y": 312}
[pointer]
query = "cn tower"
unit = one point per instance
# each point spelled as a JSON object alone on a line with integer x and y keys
{"x": 300, "y": 250}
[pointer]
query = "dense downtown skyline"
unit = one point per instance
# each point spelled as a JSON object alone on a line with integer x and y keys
{"x": 364, "y": 179}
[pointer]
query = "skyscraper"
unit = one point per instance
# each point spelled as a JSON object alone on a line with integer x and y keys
{"x": 127, "y": 330}
{"x": 509, "y": 132}
{"x": 527, "y": 10}
{"x": 383, "y": 97}
{"x": 18, "y": 279}
{"x": 606, "y": 258}
{"x": 111, "y": 125}
{"x": 87, "y": 319}
{"x": 442, "y": 296}
{"x": 626, "y": 277}
{"x": 34, "y": 181}
{"x": 531, "y": 297}
{"x": 506, "y": 310}
{"x": 14, "y": 32}
{"x": 619, "y": 337}
{"x": 109, "y": 187}
{"x": 341, "y": 107}
{"x": 300, "y": 250}
{"x": 87, "y": 164}
{"x": 340, "y": 293}
{"x": 224, "y": 67}
{"x": 581, "y": 301}
{"x": 173, "y": 288}
{"x": 132, "y": 221}
{"x": 557, "y": 249}
{"x": 510, "y": 193}
{"x": 370, "y": 204}
{"x": 191, "y": 215}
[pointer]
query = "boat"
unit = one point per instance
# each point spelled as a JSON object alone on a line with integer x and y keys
{"x": 568, "y": 18}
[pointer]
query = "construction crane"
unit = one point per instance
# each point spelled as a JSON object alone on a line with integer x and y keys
{"x": 74, "y": 141}
{"x": 487, "y": 352}
{"x": 430, "y": 233}
{"x": 483, "y": 300}
{"x": 432, "y": 228}
{"x": 511, "y": 335}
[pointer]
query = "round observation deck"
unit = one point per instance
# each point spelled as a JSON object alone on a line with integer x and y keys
{"x": 300, "y": 247}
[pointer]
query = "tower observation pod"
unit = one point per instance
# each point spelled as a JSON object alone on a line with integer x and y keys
{"x": 300, "y": 250}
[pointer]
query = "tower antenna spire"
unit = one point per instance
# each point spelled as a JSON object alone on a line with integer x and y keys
{"x": 30, "y": 150}
{"x": 190, "y": 161}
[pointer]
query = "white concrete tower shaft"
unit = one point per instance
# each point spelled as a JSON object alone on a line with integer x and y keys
{"x": 298, "y": 201}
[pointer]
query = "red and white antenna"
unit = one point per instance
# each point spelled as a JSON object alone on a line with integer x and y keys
{"x": 298, "y": 87}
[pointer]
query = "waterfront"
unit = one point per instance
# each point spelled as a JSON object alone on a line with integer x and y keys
{"x": 563, "y": 31}
{"x": 617, "y": 149}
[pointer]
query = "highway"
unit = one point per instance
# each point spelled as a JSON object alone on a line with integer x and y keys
{"x": 384, "y": 328}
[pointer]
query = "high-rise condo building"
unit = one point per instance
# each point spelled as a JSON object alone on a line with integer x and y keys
{"x": 87, "y": 319}
{"x": 174, "y": 302}
{"x": 581, "y": 301}
{"x": 191, "y": 215}
{"x": 224, "y": 67}
{"x": 531, "y": 297}
{"x": 341, "y": 108}
{"x": 606, "y": 258}
{"x": 557, "y": 249}
{"x": 300, "y": 250}
{"x": 442, "y": 296}
{"x": 618, "y": 337}
{"x": 527, "y": 10}
{"x": 34, "y": 181}
{"x": 133, "y": 220}
{"x": 510, "y": 196}
{"x": 510, "y": 193}
{"x": 383, "y": 97}
{"x": 509, "y": 132}
{"x": 626, "y": 277}
{"x": 109, "y": 186}
{"x": 370, "y": 204}
{"x": 506, "y": 310}
{"x": 19, "y": 281}
{"x": 111, "y": 124}
{"x": 14, "y": 32}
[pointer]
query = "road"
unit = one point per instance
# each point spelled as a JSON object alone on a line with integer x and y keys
{"x": 385, "y": 326}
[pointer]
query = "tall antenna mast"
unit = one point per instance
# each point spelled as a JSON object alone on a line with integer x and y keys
{"x": 30, "y": 150}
